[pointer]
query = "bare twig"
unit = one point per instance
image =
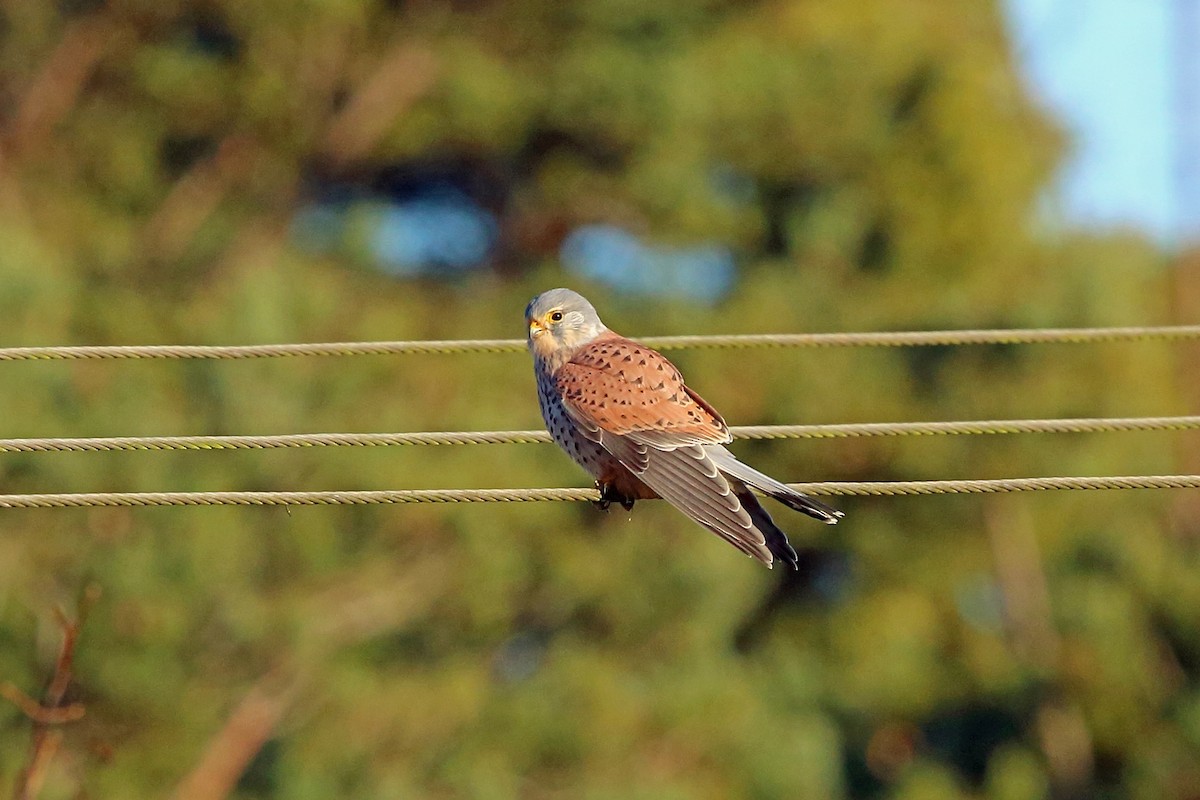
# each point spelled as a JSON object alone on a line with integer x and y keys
{"x": 36, "y": 711}
{"x": 365, "y": 606}
{"x": 49, "y": 96}
{"x": 195, "y": 197}
{"x": 402, "y": 77}
{"x": 56, "y": 88}
{"x": 1021, "y": 577}
{"x": 1058, "y": 722}
{"x": 51, "y": 712}
{"x": 232, "y": 749}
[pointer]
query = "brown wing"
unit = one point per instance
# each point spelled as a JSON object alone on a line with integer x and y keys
{"x": 633, "y": 402}
{"x": 631, "y": 390}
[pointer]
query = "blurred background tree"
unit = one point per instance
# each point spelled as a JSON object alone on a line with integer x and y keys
{"x": 223, "y": 172}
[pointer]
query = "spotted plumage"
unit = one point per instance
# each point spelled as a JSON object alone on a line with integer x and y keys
{"x": 623, "y": 413}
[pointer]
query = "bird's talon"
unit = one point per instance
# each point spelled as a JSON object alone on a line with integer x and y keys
{"x": 608, "y": 496}
{"x": 605, "y": 498}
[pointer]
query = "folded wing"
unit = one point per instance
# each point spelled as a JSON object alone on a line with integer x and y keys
{"x": 633, "y": 402}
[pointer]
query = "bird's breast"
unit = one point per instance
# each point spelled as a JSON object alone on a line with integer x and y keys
{"x": 563, "y": 430}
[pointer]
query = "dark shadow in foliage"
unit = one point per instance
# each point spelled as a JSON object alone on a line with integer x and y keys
{"x": 261, "y": 778}
{"x": 875, "y": 252}
{"x": 544, "y": 141}
{"x": 485, "y": 181}
{"x": 780, "y": 202}
{"x": 1182, "y": 645}
{"x": 965, "y": 737}
{"x": 210, "y": 34}
{"x": 821, "y": 578}
{"x": 861, "y": 782}
{"x": 178, "y": 154}
{"x": 968, "y": 735}
{"x": 912, "y": 95}
{"x": 81, "y": 7}
{"x": 407, "y": 648}
{"x": 927, "y": 365}
{"x": 1093, "y": 556}
{"x": 1108, "y": 779}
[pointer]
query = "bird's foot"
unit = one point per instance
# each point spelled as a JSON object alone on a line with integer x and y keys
{"x": 609, "y": 495}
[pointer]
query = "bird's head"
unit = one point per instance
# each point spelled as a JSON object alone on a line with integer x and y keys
{"x": 560, "y": 321}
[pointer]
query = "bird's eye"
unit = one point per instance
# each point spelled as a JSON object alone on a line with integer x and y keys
{"x": 556, "y": 316}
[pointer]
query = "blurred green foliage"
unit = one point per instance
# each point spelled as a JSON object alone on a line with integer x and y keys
{"x": 155, "y": 154}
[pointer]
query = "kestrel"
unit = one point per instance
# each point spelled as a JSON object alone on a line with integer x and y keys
{"x": 622, "y": 411}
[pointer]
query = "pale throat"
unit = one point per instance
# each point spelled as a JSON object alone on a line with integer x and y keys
{"x": 550, "y": 353}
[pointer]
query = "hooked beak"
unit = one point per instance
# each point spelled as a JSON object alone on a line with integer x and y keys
{"x": 535, "y": 329}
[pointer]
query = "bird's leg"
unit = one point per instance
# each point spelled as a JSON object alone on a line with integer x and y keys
{"x": 606, "y": 497}
{"x": 609, "y": 495}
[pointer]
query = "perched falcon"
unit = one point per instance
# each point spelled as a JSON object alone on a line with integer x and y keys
{"x": 622, "y": 411}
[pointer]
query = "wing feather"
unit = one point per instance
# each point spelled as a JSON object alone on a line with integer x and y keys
{"x": 623, "y": 388}
{"x": 686, "y": 478}
{"x": 694, "y": 490}
{"x": 633, "y": 402}
{"x": 732, "y": 524}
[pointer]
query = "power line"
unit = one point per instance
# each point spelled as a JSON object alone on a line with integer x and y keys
{"x": 838, "y": 431}
{"x": 127, "y": 443}
{"x": 974, "y": 427}
{"x": 881, "y": 339}
{"x": 406, "y": 496}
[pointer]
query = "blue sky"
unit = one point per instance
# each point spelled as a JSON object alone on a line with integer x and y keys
{"x": 1106, "y": 69}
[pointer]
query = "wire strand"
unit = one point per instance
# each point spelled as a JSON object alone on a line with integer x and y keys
{"x": 967, "y": 427}
{"x": 406, "y": 496}
{"x": 880, "y": 339}
{"x": 141, "y": 443}
{"x": 838, "y": 431}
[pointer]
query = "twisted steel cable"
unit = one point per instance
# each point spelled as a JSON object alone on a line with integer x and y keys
{"x": 405, "y": 496}
{"x": 837, "y": 431}
{"x": 881, "y": 339}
